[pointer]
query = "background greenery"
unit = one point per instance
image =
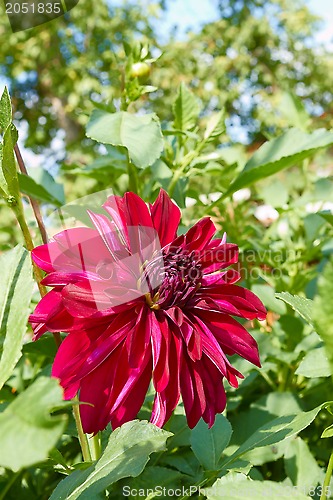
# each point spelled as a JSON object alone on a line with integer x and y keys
{"x": 234, "y": 122}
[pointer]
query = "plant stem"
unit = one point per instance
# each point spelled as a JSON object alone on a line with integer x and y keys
{"x": 327, "y": 478}
{"x": 34, "y": 203}
{"x": 19, "y": 212}
{"x": 95, "y": 446}
{"x": 81, "y": 435}
{"x": 133, "y": 184}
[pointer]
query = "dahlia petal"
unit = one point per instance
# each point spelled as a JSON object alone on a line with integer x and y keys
{"x": 95, "y": 390}
{"x": 136, "y": 211}
{"x": 47, "y": 308}
{"x": 44, "y": 256}
{"x": 218, "y": 257}
{"x": 105, "y": 344}
{"x": 191, "y": 386}
{"x": 160, "y": 340}
{"x": 115, "y": 207}
{"x": 230, "y": 276}
{"x": 60, "y": 279}
{"x": 130, "y": 407}
{"x": 166, "y": 400}
{"x": 214, "y": 391}
{"x": 126, "y": 379}
{"x": 108, "y": 234}
{"x": 138, "y": 339}
{"x": 84, "y": 300}
{"x": 192, "y": 340}
{"x": 200, "y": 235}
{"x": 78, "y": 247}
{"x": 70, "y": 357}
{"x": 206, "y": 303}
{"x": 166, "y": 217}
{"x": 231, "y": 335}
{"x": 244, "y": 300}
{"x": 212, "y": 349}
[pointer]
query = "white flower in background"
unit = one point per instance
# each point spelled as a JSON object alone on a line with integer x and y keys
{"x": 266, "y": 214}
{"x": 242, "y": 195}
{"x": 206, "y": 199}
{"x": 317, "y": 206}
{"x": 190, "y": 202}
{"x": 283, "y": 228}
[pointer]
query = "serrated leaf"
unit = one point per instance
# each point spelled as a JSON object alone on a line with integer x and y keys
{"x": 208, "y": 444}
{"x": 16, "y": 288}
{"x": 323, "y": 311}
{"x": 186, "y": 109}
{"x": 8, "y": 164}
{"x": 5, "y": 110}
{"x": 126, "y": 455}
{"x": 289, "y": 149}
{"x": 238, "y": 489}
{"x": 301, "y": 305}
{"x": 140, "y": 134}
{"x": 315, "y": 364}
{"x": 275, "y": 431}
{"x": 215, "y": 126}
{"x": 28, "y": 432}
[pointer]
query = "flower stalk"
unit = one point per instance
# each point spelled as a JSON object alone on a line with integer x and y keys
{"x": 83, "y": 439}
{"x": 327, "y": 479}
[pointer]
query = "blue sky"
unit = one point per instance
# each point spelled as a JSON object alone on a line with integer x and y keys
{"x": 191, "y": 14}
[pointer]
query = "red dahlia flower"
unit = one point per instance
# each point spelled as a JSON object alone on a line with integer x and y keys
{"x": 139, "y": 303}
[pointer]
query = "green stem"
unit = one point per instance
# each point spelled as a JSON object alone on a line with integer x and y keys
{"x": 95, "y": 446}
{"x": 81, "y": 435}
{"x": 133, "y": 184}
{"x": 18, "y": 210}
{"x": 327, "y": 478}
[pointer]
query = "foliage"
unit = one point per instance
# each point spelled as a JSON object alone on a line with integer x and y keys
{"x": 273, "y": 201}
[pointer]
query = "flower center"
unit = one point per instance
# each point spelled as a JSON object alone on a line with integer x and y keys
{"x": 179, "y": 279}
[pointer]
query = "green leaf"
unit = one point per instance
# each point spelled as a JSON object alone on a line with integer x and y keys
{"x": 328, "y": 432}
{"x": 275, "y": 431}
{"x": 323, "y": 311}
{"x": 301, "y": 466}
{"x": 215, "y": 126}
{"x": 28, "y": 432}
{"x": 301, "y": 305}
{"x": 150, "y": 478}
{"x": 40, "y": 185}
{"x": 140, "y": 134}
{"x": 8, "y": 164}
{"x": 289, "y": 149}
{"x": 327, "y": 216}
{"x": 294, "y": 111}
{"x": 5, "y": 110}
{"x": 126, "y": 455}
{"x": 208, "y": 444}
{"x": 238, "y": 489}
{"x": 267, "y": 296}
{"x": 315, "y": 364}
{"x": 16, "y": 288}
{"x": 186, "y": 109}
